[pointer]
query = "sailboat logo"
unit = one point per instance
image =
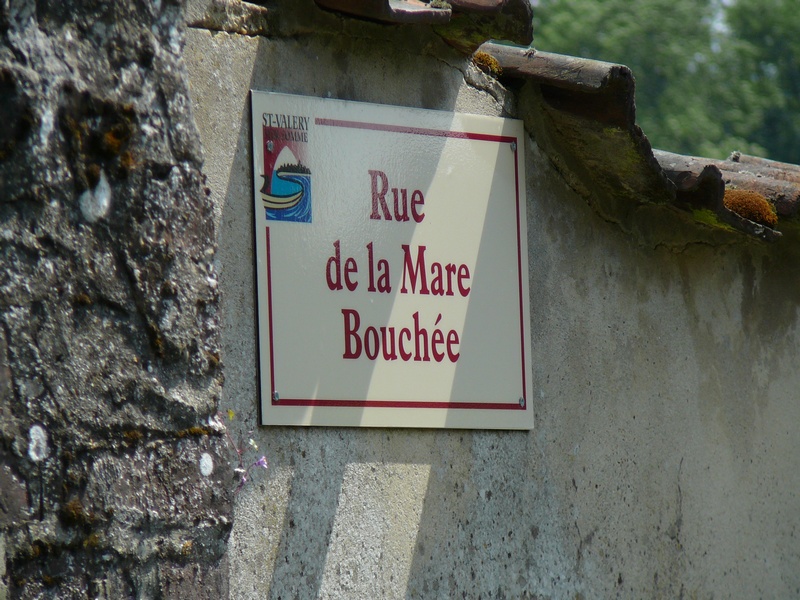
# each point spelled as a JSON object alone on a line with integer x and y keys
{"x": 286, "y": 192}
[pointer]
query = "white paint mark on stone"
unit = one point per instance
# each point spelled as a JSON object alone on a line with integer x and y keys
{"x": 102, "y": 193}
{"x": 47, "y": 127}
{"x": 37, "y": 443}
{"x": 95, "y": 203}
{"x": 174, "y": 40}
{"x": 206, "y": 464}
{"x": 216, "y": 423}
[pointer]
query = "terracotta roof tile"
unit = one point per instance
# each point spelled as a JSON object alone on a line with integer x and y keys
{"x": 478, "y": 5}
{"x": 389, "y": 11}
{"x": 589, "y": 131}
{"x": 464, "y": 24}
{"x": 779, "y": 184}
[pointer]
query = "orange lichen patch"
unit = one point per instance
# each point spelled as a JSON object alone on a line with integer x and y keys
{"x": 751, "y": 205}
{"x": 213, "y": 359}
{"x": 82, "y": 299}
{"x": 126, "y": 161}
{"x": 195, "y": 431}
{"x": 115, "y": 137}
{"x": 74, "y": 513}
{"x": 487, "y": 63}
{"x": 133, "y": 435}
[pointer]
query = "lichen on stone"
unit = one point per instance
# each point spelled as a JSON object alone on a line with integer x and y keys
{"x": 195, "y": 431}
{"x": 487, "y": 63}
{"x": 710, "y": 218}
{"x": 751, "y": 205}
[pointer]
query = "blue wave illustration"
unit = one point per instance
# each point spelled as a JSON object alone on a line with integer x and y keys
{"x": 289, "y": 184}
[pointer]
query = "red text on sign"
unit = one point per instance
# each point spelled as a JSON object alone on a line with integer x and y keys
{"x": 415, "y": 343}
{"x": 380, "y": 209}
{"x": 442, "y": 276}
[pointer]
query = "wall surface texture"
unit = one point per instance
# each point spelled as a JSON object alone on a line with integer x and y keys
{"x": 112, "y": 482}
{"x": 664, "y": 462}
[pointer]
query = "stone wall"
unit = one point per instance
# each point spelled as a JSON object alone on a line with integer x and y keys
{"x": 109, "y": 334}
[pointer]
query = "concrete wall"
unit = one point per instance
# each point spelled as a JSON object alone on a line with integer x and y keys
{"x": 664, "y": 462}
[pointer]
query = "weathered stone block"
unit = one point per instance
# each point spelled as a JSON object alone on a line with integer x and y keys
{"x": 109, "y": 352}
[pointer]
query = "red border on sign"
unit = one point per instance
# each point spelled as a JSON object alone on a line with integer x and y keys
{"x": 466, "y": 135}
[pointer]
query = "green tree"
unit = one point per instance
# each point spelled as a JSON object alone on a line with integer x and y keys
{"x": 703, "y": 86}
{"x": 768, "y": 32}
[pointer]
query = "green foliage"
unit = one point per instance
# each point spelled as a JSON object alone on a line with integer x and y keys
{"x": 712, "y": 76}
{"x": 770, "y": 29}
